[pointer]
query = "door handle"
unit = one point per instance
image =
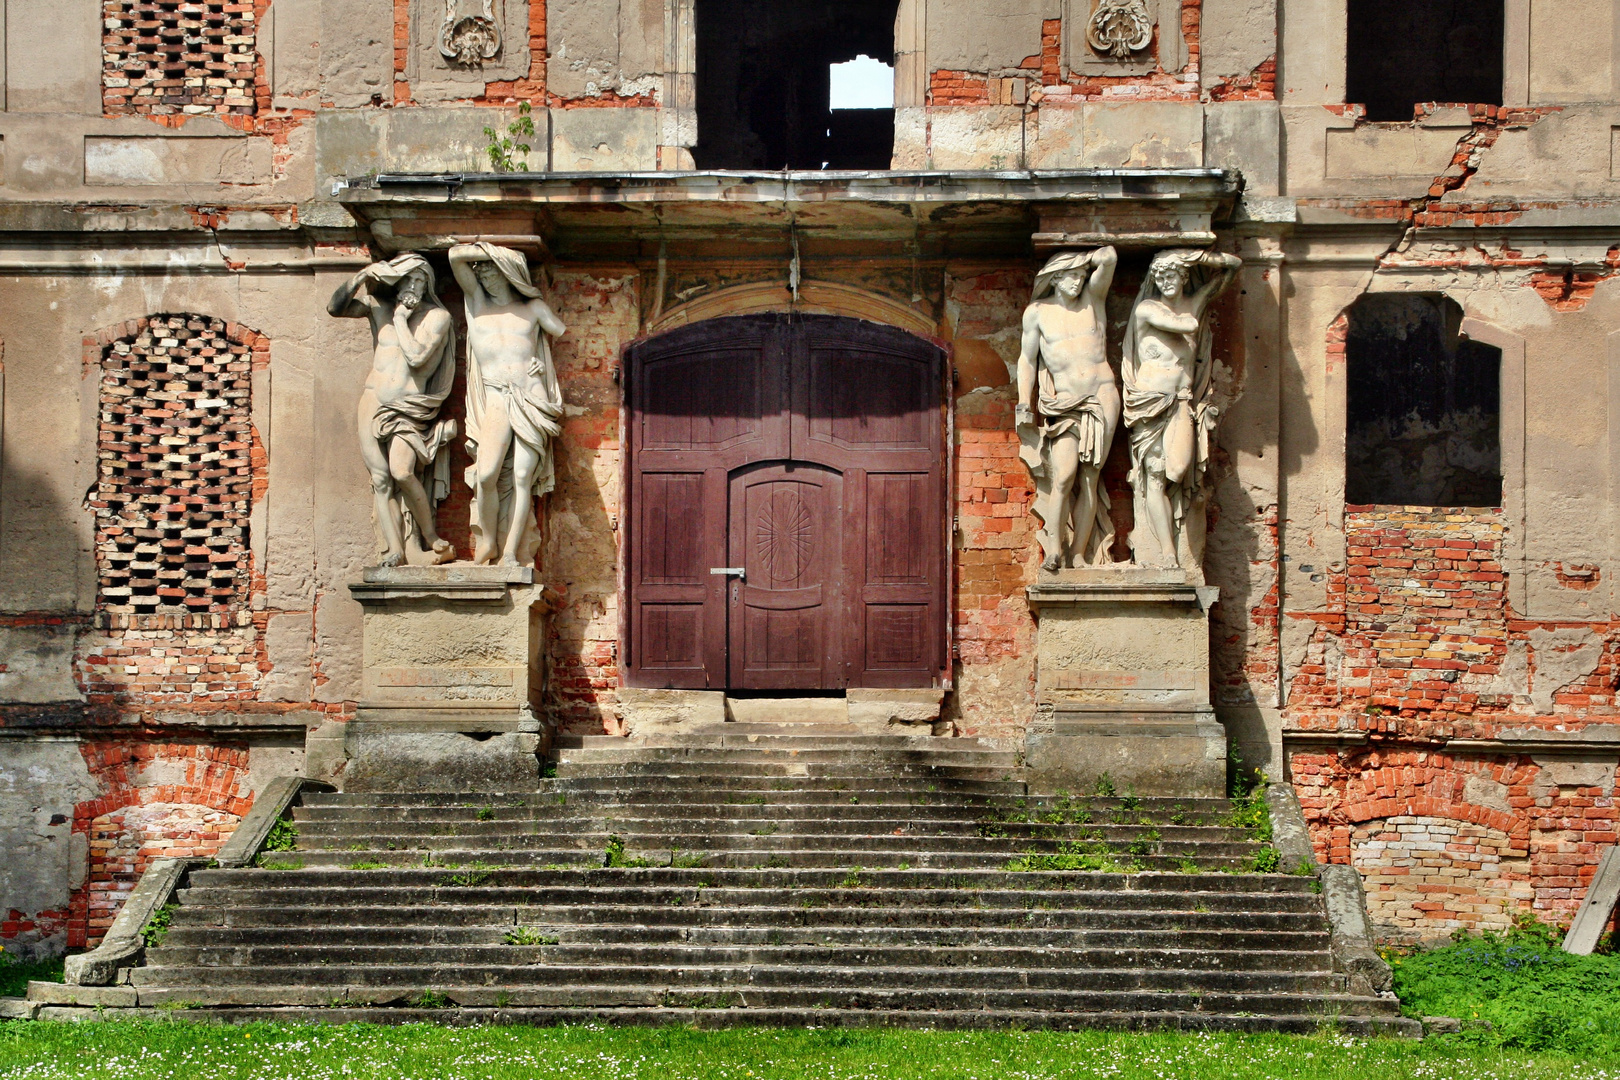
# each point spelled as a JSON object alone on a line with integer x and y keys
{"x": 729, "y": 571}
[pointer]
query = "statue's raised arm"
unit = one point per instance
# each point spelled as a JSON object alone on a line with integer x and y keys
{"x": 514, "y": 401}
{"x": 1069, "y": 406}
{"x": 1167, "y": 368}
{"x": 403, "y": 442}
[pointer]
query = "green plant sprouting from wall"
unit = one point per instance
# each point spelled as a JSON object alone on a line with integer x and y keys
{"x": 507, "y": 152}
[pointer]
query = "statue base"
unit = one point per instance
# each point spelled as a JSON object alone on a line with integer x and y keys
{"x": 1122, "y": 693}
{"x": 452, "y": 680}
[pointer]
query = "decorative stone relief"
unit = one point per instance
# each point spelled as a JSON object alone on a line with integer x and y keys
{"x": 1119, "y": 28}
{"x": 403, "y": 442}
{"x": 1169, "y": 404}
{"x": 1063, "y": 372}
{"x": 469, "y": 39}
{"x": 514, "y": 403}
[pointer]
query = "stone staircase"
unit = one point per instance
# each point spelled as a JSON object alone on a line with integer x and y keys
{"x": 762, "y": 874}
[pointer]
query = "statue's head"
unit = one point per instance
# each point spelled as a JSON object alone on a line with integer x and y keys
{"x": 1169, "y": 271}
{"x": 494, "y": 282}
{"x": 1070, "y": 283}
{"x": 411, "y": 289}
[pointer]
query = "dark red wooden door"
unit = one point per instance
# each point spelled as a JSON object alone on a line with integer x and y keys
{"x": 787, "y": 519}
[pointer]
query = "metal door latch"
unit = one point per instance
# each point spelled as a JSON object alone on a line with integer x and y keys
{"x": 728, "y": 571}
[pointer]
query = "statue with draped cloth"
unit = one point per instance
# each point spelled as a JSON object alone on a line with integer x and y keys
{"x": 514, "y": 402}
{"x": 403, "y": 442}
{"x": 1170, "y": 409}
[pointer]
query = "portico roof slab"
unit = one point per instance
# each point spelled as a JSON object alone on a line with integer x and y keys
{"x": 914, "y": 214}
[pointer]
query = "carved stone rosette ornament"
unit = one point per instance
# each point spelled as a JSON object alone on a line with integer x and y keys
{"x": 403, "y": 442}
{"x": 1119, "y": 28}
{"x": 469, "y": 39}
{"x": 1168, "y": 372}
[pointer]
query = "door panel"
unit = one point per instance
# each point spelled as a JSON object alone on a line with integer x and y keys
{"x": 809, "y": 451}
{"x": 786, "y": 535}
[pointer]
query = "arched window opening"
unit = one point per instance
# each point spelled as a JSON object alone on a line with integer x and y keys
{"x": 1402, "y": 55}
{"x": 1423, "y": 415}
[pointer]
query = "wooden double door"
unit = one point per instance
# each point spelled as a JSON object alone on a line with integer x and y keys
{"x": 786, "y": 507}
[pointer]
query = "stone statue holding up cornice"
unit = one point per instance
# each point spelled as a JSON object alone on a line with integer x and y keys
{"x": 1063, "y": 372}
{"x": 514, "y": 403}
{"x": 1169, "y": 408}
{"x": 402, "y": 440}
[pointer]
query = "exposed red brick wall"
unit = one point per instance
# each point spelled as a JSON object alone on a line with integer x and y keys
{"x": 1258, "y": 85}
{"x": 179, "y": 58}
{"x": 159, "y": 800}
{"x": 1448, "y": 841}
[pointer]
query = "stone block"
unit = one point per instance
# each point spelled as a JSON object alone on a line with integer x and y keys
{"x": 659, "y": 712}
{"x": 380, "y": 760}
{"x": 1393, "y": 151}
{"x": 356, "y": 52}
{"x": 975, "y": 137}
{"x": 1141, "y": 752}
{"x": 901, "y": 707}
{"x": 38, "y": 665}
{"x": 147, "y": 160}
{"x": 604, "y": 140}
{"x": 1246, "y": 136}
{"x": 53, "y": 57}
{"x": 1136, "y": 135}
{"x": 985, "y": 37}
{"x": 1234, "y": 38}
{"x": 1572, "y": 51}
{"x": 412, "y": 140}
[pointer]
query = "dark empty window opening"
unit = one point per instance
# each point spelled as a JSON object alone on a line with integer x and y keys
{"x": 766, "y": 80}
{"x": 1402, "y": 55}
{"x": 1424, "y": 406}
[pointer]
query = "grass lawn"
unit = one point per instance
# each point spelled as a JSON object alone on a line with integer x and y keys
{"x": 138, "y": 1050}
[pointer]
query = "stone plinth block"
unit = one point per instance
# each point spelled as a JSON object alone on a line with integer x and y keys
{"x": 1122, "y": 684}
{"x": 452, "y": 678}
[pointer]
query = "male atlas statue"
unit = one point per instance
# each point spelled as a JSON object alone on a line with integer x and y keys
{"x": 514, "y": 404}
{"x": 413, "y": 365}
{"x": 1063, "y": 370}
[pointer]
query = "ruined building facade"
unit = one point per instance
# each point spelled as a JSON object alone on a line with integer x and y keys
{"x": 1414, "y": 524}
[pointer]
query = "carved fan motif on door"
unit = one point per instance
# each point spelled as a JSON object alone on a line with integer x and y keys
{"x": 784, "y": 535}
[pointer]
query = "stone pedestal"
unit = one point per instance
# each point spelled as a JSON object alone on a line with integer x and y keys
{"x": 1122, "y": 685}
{"x": 452, "y": 680}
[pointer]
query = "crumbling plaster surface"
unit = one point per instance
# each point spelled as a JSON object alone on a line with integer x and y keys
{"x": 597, "y": 47}
{"x": 1235, "y": 37}
{"x": 964, "y": 35}
{"x": 45, "y": 861}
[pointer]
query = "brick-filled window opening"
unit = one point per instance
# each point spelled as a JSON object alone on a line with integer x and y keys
{"x": 1401, "y": 55}
{"x": 174, "y": 470}
{"x": 177, "y": 56}
{"x": 764, "y": 84}
{"x": 1423, "y": 415}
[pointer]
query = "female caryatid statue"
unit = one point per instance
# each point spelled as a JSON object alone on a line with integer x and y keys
{"x": 1168, "y": 371}
{"x": 514, "y": 404}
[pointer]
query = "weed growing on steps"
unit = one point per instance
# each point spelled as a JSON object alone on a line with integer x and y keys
{"x": 283, "y": 836}
{"x": 689, "y": 861}
{"x": 368, "y": 866}
{"x": 528, "y": 935}
{"x": 1074, "y": 855}
{"x": 613, "y": 856}
{"x": 1104, "y": 788}
{"x": 486, "y": 813}
{"x": 280, "y": 864}
{"x": 157, "y": 927}
{"x": 468, "y": 879}
{"x": 429, "y": 999}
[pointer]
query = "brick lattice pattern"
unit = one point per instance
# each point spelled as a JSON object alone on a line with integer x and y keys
{"x": 170, "y": 57}
{"x": 174, "y": 471}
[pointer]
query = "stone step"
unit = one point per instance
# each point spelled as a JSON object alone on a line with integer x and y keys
{"x": 487, "y": 987}
{"x": 842, "y": 858}
{"x": 745, "y": 759}
{"x": 1089, "y": 887}
{"x": 799, "y": 710}
{"x": 332, "y": 832}
{"x": 797, "y": 792}
{"x": 1308, "y": 1021}
{"x": 738, "y": 773}
{"x": 786, "y": 736}
{"x": 762, "y": 926}
{"x": 1211, "y": 950}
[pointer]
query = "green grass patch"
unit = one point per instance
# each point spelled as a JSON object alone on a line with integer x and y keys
{"x": 1536, "y": 997}
{"x": 179, "y": 1048}
{"x": 283, "y": 836}
{"x": 15, "y": 974}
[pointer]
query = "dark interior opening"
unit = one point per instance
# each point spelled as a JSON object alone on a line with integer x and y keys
{"x": 762, "y": 84}
{"x": 1405, "y": 54}
{"x": 1423, "y": 416}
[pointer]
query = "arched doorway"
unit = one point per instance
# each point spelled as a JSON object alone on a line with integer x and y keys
{"x": 787, "y": 520}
